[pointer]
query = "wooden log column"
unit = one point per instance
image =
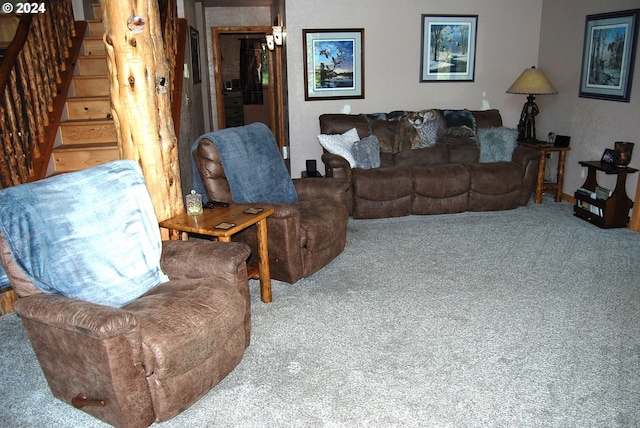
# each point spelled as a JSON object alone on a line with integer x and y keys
{"x": 141, "y": 98}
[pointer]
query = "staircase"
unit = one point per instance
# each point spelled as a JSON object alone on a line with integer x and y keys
{"x": 86, "y": 135}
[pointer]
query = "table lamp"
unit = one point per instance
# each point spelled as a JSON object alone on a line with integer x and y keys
{"x": 532, "y": 82}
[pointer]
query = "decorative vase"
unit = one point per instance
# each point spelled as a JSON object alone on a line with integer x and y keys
{"x": 623, "y": 151}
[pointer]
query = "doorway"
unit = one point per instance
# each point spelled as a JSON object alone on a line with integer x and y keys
{"x": 241, "y": 97}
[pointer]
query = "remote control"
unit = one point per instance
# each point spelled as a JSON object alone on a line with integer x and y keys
{"x": 212, "y": 204}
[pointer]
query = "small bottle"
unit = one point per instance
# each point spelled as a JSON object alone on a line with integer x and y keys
{"x": 194, "y": 203}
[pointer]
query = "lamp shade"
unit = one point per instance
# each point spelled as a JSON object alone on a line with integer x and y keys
{"x": 532, "y": 81}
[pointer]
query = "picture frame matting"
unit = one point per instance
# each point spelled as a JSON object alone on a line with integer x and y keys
{"x": 333, "y": 63}
{"x": 608, "y": 55}
{"x": 448, "y": 48}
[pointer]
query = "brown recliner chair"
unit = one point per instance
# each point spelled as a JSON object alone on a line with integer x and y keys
{"x": 303, "y": 236}
{"x": 154, "y": 356}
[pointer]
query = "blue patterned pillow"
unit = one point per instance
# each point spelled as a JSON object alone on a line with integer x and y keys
{"x": 90, "y": 235}
{"x": 497, "y": 144}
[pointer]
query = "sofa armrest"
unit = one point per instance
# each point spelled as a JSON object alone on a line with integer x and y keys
{"x": 321, "y": 188}
{"x": 336, "y": 166}
{"x": 201, "y": 259}
{"x": 528, "y": 159}
{"x": 523, "y": 156}
{"x": 90, "y": 319}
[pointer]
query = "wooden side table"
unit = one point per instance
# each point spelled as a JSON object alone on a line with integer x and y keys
{"x": 541, "y": 185}
{"x": 612, "y": 211}
{"x": 236, "y": 217}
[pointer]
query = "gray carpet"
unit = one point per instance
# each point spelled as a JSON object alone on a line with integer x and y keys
{"x": 526, "y": 318}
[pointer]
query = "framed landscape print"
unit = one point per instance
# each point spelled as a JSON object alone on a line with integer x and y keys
{"x": 333, "y": 64}
{"x": 448, "y": 50}
{"x": 608, "y": 55}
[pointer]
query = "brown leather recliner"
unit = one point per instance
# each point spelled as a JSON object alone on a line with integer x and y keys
{"x": 303, "y": 236}
{"x": 151, "y": 358}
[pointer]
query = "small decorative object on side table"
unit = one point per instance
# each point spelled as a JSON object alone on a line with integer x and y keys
{"x": 223, "y": 222}
{"x": 596, "y": 208}
{"x": 545, "y": 150}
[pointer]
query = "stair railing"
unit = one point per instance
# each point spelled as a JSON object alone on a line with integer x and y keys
{"x": 31, "y": 78}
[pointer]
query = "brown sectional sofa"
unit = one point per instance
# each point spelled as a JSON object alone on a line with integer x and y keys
{"x": 444, "y": 178}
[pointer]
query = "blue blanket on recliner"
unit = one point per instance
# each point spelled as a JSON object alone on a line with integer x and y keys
{"x": 252, "y": 164}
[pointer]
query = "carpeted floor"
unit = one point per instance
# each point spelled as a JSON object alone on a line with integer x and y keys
{"x": 525, "y": 318}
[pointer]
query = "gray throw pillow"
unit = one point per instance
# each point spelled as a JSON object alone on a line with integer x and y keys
{"x": 367, "y": 152}
{"x": 497, "y": 144}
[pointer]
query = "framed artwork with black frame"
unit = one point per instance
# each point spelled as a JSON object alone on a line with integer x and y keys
{"x": 608, "y": 55}
{"x": 448, "y": 51}
{"x": 195, "y": 55}
{"x": 333, "y": 64}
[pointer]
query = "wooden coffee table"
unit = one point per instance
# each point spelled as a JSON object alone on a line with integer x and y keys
{"x": 224, "y": 222}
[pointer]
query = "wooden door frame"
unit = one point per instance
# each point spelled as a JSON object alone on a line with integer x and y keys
{"x": 275, "y": 79}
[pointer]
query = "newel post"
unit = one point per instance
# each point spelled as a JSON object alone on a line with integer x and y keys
{"x": 140, "y": 88}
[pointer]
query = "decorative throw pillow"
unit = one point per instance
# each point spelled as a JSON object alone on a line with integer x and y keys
{"x": 340, "y": 145}
{"x": 497, "y": 144}
{"x": 386, "y": 131}
{"x": 459, "y": 123}
{"x": 90, "y": 235}
{"x": 428, "y": 124}
{"x": 367, "y": 152}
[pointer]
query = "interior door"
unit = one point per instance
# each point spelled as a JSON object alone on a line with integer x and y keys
{"x": 224, "y": 89}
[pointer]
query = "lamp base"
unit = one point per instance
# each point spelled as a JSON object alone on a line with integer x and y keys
{"x": 527, "y": 124}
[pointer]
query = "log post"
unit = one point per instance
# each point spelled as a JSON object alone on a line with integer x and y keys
{"x": 141, "y": 98}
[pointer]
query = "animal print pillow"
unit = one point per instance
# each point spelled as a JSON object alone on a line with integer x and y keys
{"x": 428, "y": 124}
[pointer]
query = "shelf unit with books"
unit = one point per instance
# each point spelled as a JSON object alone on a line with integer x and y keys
{"x": 600, "y": 206}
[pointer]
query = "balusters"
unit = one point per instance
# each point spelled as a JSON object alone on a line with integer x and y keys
{"x": 29, "y": 77}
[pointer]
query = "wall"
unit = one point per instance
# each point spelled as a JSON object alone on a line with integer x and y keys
{"x": 507, "y": 43}
{"x": 192, "y": 120}
{"x": 592, "y": 124}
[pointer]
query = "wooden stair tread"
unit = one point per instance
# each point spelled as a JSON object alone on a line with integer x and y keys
{"x": 84, "y": 122}
{"x": 86, "y": 146}
{"x": 88, "y": 98}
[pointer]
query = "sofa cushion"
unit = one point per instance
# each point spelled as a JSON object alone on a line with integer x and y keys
{"x": 440, "y": 189}
{"x": 464, "y": 153}
{"x": 90, "y": 235}
{"x": 426, "y": 156}
{"x": 497, "y": 144}
{"x": 340, "y": 144}
{"x": 338, "y": 123}
{"x": 366, "y": 152}
{"x": 487, "y": 118}
{"x": 441, "y": 181}
{"x": 382, "y": 192}
{"x": 494, "y": 179}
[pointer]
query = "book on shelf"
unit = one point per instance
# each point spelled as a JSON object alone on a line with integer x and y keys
{"x": 587, "y": 192}
{"x": 601, "y": 193}
{"x": 590, "y": 207}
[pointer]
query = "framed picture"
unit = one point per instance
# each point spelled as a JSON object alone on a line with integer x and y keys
{"x": 608, "y": 156}
{"x": 195, "y": 55}
{"x": 333, "y": 64}
{"x": 448, "y": 51}
{"x": 608, "y": 55}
